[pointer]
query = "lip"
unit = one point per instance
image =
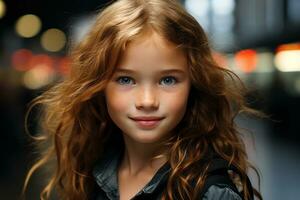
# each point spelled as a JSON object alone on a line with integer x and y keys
{"x": 147, "y": 122}
{"x": 146, "y": 118}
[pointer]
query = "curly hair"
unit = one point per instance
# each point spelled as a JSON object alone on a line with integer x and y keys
{"x": 74, "y": 120}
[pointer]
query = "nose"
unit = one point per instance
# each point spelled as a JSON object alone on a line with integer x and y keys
{"x": 147, "y": 99}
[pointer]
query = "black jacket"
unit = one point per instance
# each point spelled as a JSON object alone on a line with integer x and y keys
{"x": 105, "y": 174}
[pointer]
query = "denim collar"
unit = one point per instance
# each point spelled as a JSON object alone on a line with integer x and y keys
{"x": 105, "y": 174}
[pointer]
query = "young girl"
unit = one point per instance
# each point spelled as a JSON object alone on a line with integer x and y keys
{"x": 145, "y": 113}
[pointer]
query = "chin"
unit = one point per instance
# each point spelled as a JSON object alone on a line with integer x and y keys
{"x": 146, "y": 138}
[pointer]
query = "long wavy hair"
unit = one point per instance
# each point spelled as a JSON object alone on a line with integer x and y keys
{"x": 76, "y": 126}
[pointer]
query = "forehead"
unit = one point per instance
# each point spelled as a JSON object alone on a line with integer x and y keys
{"x": 154, "y": 51}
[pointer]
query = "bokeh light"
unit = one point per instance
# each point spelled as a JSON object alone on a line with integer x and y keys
{"x": 2, "y": 9}
{"x": 41, "y": 60}
{"x": 288, "y": 60}
{"x": 246, "y": 60}
{"x": 21, "y": 59}
{"x": 28, "y": 26}
{"x": 53, "y": 40}
{"x": 41, "y": 73}
{"x": 64, "y": 64}
{"x": 37, "y": 78}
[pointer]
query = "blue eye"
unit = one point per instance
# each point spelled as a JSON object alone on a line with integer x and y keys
{"x": 169, "y": 80}
{"x": 125, "y": 80}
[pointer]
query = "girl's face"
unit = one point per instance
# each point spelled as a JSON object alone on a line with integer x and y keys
{"x": 147, "y": 95}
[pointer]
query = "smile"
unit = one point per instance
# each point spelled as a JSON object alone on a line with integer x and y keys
{"x": 147, "y": 122}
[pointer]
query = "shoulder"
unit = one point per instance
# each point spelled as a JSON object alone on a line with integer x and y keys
{"x": 220, "y": 192}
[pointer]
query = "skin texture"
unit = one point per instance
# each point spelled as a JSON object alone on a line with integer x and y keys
{"x": 146, "y": 90}
{"x": 141, "y": 86}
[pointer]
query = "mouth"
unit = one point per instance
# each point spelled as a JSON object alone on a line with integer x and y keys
{"x": 146, "y": 118}
{"x": 147, "y": 122}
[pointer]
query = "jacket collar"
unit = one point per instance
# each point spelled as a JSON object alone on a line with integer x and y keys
{"x": 105, "y": 173}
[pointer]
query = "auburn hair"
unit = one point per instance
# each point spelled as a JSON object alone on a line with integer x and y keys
{"x": 75, "y": 125}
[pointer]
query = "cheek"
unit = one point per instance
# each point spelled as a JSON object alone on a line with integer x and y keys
{"x": 115, "y": 101}
{"x": 177, "y": 102}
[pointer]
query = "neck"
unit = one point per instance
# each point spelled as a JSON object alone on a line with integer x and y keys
{"x": 138, "y": 158}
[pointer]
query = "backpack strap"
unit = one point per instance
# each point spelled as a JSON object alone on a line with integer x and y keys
{"x": 218, "y": 174}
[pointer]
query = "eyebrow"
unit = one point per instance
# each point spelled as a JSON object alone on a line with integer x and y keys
{"x": 165, "y": 71}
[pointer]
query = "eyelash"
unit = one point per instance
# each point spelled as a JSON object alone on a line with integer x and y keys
{"x": 119, "y": 79}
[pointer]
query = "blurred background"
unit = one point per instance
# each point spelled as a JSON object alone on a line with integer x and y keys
{"x": 258, "y": 39}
